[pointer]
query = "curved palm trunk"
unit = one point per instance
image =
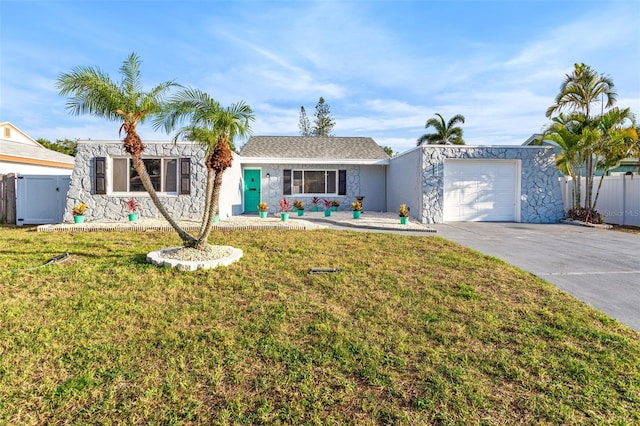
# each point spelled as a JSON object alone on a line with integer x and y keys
{"x": 203, "y": 238}
{"x": 220, "y": 160}
{"x": 138, "y": 164}
{"x": 207, "y": 195}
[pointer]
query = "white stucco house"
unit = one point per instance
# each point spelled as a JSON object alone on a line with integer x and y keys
{"x": 438, "y": 183}
{"x": 19, "y": 153}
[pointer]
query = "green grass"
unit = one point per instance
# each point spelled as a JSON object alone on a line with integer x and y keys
{"x": 411, "y": 330}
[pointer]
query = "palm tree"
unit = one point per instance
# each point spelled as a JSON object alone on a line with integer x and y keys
{"x": 214, "y": 128}
{"x": 446, "y": 133}
{"x": 565, "y": 131}
{"x": 93, "y": 92}
{"x": 580, "y": 89}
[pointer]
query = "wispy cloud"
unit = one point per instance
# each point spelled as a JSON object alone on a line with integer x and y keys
{"x": 384, "y": 67}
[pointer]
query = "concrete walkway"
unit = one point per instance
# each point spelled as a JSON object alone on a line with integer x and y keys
{"x": 600, "y": 267}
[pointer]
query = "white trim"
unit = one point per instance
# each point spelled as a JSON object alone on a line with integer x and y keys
{"x": 318, "y": 161}
{"x": 312, "y": 194}
{"x": 482, "y": 146}
{"x": 110, "y": 170}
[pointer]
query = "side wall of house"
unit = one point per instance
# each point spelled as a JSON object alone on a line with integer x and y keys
{"x": 540, "y": 195}
{"x": 110, "y": 207}
{"x": 404, "y": 182}
{"x": 367, "y": 181}
{"x": 231, "y": 192}
{"x": 7, "y": 167}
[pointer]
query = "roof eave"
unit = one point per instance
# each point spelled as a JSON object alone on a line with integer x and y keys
{"x": 361, "y": 162}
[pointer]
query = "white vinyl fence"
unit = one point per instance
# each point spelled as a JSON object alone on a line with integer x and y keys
{"x": 619, "y": 200}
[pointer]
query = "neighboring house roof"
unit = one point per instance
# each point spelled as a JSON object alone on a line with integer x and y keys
{"x": 12, "y": 133}
{"x": 17, "y": 152}
{"x": 313, "y": 149}
{"x": 17, "y": 147}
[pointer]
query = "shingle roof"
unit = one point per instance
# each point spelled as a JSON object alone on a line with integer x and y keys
{"x": 35, "y": 152}
{"x": 307, "y": 147}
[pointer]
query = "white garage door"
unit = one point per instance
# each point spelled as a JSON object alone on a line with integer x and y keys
{"x": 481, "y": 190}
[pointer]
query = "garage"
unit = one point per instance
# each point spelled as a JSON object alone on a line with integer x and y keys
{"x": 481, "y": 190}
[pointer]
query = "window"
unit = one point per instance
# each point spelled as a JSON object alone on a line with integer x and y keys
{"x": 163, "y": 173}
{"x": 314, "y": 182}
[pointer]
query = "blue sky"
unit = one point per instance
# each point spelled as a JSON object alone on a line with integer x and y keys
{"x": 384, "y": 67}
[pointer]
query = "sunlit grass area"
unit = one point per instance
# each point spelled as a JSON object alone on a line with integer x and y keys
{"x": 409, "y": 330}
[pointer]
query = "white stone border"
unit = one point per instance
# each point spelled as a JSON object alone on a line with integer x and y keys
{"x": 157, "y": 259}
{"x": 587, "y": 224}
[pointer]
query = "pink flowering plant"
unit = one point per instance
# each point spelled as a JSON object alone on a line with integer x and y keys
{"x": 285, "y": 206}
{"x": 133, "y": 206}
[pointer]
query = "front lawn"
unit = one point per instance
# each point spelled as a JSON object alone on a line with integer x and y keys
{"x": 410, "y": 330}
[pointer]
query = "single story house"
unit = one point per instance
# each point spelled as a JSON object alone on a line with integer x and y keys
{"x": 297, "y": 167}
{"x": 438, "y": 183}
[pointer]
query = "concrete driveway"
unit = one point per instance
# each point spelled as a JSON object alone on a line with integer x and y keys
{"x": 599, "y": 267}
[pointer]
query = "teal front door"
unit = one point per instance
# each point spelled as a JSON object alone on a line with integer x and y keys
{"x": 251, "y": 190}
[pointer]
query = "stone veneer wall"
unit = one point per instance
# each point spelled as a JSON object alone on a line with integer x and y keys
{"x": 541, "y": 198}
{"x": 112, "y": 207}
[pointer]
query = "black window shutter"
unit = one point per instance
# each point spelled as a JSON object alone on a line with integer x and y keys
{"x": 342, "y": 182}
{"x": 185, "y": 176}
{"x": 99, "y": 175}
{"x": 286, "y": 179}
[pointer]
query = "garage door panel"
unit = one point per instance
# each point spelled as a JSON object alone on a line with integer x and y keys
{"x": 480, "y": 190}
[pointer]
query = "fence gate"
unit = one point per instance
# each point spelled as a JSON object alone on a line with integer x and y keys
{"x": 8, "y": 198}
{"x": 41, "y": 199}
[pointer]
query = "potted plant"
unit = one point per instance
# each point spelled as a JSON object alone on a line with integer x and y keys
{"x": 334, "y": 205}
{"x": 78, "y": 212}
{"x": 285, "y": 207}
{"x": 262, "y": 208}
{"x": 134, "y": 209}
{"x": 315, "y": 201}
{"x": 327, "y": 207}
{"x": 299, "y": 207}
{"x": 356, "y": 209}
{"x": 403, "y": 212}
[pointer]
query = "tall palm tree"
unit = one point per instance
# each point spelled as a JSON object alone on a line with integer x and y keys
{"x": 446, "y": 133}
{"x": 578, "y": 92}
{"x": 214, "y": 128}
{"x": 582, "y": 88}
{"x": 93, "y": 92}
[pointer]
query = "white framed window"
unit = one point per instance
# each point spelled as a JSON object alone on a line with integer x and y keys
{"x": 162, "y": 171}
{"x": 314, "y": 182}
